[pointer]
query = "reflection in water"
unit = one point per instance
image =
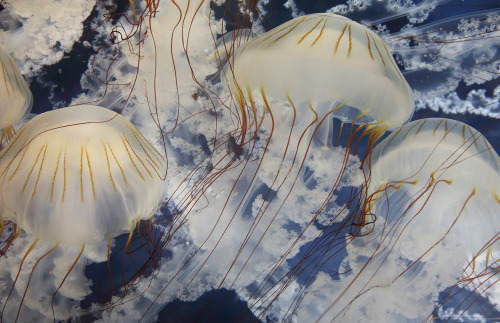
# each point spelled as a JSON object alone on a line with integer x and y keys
{"x": 278, "y": 215}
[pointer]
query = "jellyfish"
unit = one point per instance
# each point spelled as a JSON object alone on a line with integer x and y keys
{"x": 15, "y": 96}
{"x": 433, "y": 225}
{"x": 74, "y": 178}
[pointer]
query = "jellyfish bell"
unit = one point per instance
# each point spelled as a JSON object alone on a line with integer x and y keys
{"x": 87, "y": 156}
{"x": 448, "y": 168}
{"x": 326, "y": 58}
{"x": 15, "y": 96}
{"x": 76, "y": 178}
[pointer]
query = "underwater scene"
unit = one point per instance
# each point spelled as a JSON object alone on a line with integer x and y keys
{"x": 250, "y": 160}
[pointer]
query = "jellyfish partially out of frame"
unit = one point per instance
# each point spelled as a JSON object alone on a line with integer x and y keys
{"x": 431, "y": 207}
{"x": 73, "y": 178}
{"x": 15, "y": 96}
